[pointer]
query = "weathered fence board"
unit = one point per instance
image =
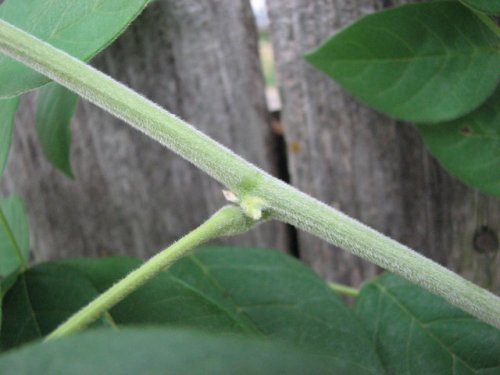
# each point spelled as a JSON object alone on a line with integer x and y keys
{"x": 132, "y": 196}
{"x": 369, "y": 166}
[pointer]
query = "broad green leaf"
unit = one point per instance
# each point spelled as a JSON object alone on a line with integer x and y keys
{"x": 469, "y": 147}
{"x": 5, "y": 285}
{"x": 416, "y": 332}
{"x": 7, "y": 282}
{"x": 425, "y": 62}
{"x": 14, "y": 236}
{"x": 165, "y": 299}
{"x": 158, "y": 350}
{"x": 14, "y": 239}
{"x": 8, "y": 109}
{"x": 40, "y": 300}
{"x": 80, "y": 27}
{"x": 55, "y": 108}
{"x": 241, "y": 290}
{"x": 485, "y": 6}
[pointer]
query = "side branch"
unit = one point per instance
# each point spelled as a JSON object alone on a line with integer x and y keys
{"x": 229, "y": 220}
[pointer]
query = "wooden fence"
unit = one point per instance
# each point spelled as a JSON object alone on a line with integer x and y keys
{"x": 199, "y": 59}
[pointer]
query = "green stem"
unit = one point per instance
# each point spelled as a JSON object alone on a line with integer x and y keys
{"x": 344, "y": 289}
{"x": 246, "y": 181}
{"x": 228, "y": 220}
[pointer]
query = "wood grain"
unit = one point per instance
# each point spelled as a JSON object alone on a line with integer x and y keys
{"x": 369, "y": 166}
{"x": 132, "y": 196}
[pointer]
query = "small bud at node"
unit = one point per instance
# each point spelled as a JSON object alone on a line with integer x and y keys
{"x": 230, "y": 196}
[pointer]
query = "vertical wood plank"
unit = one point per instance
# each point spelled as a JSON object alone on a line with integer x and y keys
{"x": 367, "y": 165}
{"x": 131, "y": 196}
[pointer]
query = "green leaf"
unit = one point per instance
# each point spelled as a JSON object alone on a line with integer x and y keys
{"x": 418, "y": 333}
{"x": 14, "y": 241}
{"x": 158, "y": 350}
{"x": 55, "y": 108}
{"x": 425, "y": 62}
{"x": 40, "y": 300}
{"x": 80, "y": 27}
{"x": 485, "y": 6}
{"x": 14, "y": 236}
{"x": 254, "y": 292}
{"x": 469, "y": 147}
{"x": 5, "y": 285}
{"x": 7, "y": 282}
{"x": 165, "y": 299}
{"x": 8, "y": 109}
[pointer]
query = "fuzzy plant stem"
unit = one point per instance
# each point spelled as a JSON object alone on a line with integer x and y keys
{"x": 229, "y": 220}
{"x": 253, "y": 187}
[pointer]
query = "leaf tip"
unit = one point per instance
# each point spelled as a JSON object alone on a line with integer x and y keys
{"x": 312, "y": 56}
{"x": 64, "y": 166}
